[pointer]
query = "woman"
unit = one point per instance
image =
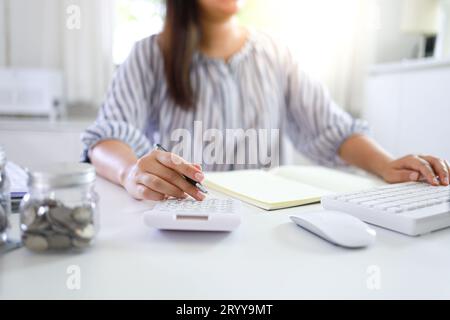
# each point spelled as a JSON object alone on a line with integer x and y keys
{"x": 206, "y": 69}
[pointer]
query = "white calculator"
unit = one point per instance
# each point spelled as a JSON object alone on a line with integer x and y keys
{"x": 212, "y": 214}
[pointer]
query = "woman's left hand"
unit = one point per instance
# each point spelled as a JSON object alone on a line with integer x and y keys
{"x": 414, "y": 168}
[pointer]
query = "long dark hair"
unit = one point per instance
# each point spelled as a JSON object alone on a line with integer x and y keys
{"x": 179, "y": 40}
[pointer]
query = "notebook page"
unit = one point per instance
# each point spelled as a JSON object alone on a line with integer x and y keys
{"x": 326, "y": 178}
{"x": 263, "y": 189}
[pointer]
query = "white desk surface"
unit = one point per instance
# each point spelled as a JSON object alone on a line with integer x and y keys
{"x": 268, "y": 257}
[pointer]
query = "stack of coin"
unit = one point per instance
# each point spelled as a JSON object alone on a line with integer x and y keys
{"x": 3, "y": 209}
{"x": 3, "y": 224}
{"x": 50, "y": 225}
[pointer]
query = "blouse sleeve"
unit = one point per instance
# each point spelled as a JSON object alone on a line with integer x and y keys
{"x": 124, "y": 113}
{"x": 316, "y": 125}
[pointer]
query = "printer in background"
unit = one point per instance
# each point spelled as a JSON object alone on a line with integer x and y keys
{"x": 31, "y": 92}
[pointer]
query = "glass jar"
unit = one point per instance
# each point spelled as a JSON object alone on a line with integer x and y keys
{"x": 5, "y": 199}
{"x": 60, "y": 211}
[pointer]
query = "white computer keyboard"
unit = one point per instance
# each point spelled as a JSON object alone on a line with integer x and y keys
{"x": 412, "y": 208}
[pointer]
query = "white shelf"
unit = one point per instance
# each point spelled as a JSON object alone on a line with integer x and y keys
{"x": 43, "y": 124}
{"x": 409, "y": 65}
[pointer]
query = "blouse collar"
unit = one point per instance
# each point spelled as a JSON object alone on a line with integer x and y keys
{"x": 235, "y": 59}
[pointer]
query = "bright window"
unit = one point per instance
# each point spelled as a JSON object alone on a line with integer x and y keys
{"x": 135, "y": 20}
{"x": 317, "y": 31}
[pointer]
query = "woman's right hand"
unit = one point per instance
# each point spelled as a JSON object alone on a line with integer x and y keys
{"x": 159, "y": 175}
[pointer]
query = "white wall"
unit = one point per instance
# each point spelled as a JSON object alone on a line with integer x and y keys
{"x": 29, "y": 20}
{"x": 391, "y": 44}
{"x": 41, "y": 38}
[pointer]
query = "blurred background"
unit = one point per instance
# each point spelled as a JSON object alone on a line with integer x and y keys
{"x": 387, "y": 61}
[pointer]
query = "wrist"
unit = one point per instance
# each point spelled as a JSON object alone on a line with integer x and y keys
{"x": 381, "y": 165}
{"x": 365, "y": 153}
{"x": 124, "y": 173}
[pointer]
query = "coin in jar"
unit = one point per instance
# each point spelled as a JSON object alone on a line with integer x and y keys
{"x": 35, "y": 242}
{"x": 59, "y": 241}
{"x": 42, "y": 210}
{"x": 62, "y": 216}
{"x": 81, "y": 244}
{"x": 86, "y": 233}
{"x": 29, "y": 215}
{"x": 3, "y": 219}
{"x": 39, "y": 224}
{"x": 83, "y": 215}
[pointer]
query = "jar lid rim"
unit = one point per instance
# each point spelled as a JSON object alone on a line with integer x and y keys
{"x": 61, "y": 174}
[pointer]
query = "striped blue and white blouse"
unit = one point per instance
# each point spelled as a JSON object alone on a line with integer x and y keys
{"x": 259, "y": 92}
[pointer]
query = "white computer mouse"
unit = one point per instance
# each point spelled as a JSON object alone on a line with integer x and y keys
{"x": 337, "y": 227}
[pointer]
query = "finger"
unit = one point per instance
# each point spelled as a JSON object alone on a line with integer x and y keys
{"x": 397, "y": 176}
{"x": 421, "y": 165}
{"x": 177, "y": 180}
{"x": 151, "y": 165}
{"x": 198, "y": 166}
{"x": 157, "y": 184}
{"x": 440, "y": 167}
{"x": 448, "y": 168}
{"x": 447, "y": 165}
{"x": 144, "y": 193}
{"x": 180, "y": 165}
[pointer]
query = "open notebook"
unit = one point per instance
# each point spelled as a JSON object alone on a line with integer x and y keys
{"x": 286, "y": 186}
